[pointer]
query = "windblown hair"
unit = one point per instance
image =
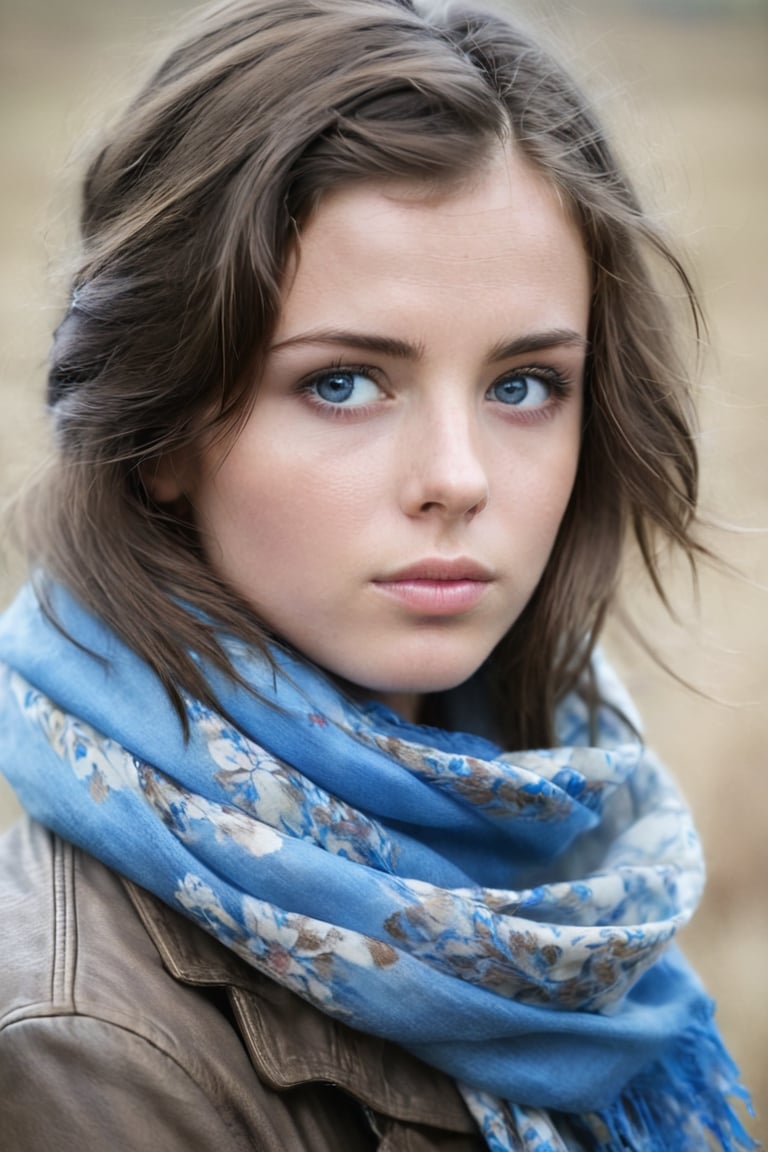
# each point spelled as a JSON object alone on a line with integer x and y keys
{"x": 189, "y": 214}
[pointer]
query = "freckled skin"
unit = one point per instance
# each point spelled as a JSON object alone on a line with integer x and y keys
{"x": 317, "y": 503}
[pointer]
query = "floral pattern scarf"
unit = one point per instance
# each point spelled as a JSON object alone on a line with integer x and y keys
{"x": 508, "y": 917}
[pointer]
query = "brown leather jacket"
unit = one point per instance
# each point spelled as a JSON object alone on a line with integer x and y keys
{"x": 124, "y": 1028}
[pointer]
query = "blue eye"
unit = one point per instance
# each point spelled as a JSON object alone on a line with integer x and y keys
{"x": 345, "y": 386}
{"x": 523, "y": 390}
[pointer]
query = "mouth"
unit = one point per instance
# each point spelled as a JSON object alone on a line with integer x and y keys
{"x": 440, "y": 570}
{"x": 437, "y": 587}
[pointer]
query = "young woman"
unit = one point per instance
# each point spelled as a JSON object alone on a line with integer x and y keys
{"x": 341, "y": 832}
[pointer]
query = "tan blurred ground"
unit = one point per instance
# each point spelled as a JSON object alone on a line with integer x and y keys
{"x": 686, "y": 86}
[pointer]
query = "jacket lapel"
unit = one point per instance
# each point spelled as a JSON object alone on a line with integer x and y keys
{"x": 290, "y": 1042}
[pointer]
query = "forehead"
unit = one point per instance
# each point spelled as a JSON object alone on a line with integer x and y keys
{"x": 504, "y": 237}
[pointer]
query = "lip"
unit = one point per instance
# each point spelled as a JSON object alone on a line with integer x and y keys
{"x": 439, "y": 569}
{"x": 437, "y": 587}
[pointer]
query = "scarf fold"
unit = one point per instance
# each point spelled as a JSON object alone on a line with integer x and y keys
{"x": 507, "y": 917}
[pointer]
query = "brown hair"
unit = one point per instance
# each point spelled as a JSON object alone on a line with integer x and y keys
{"x": 189, "y": 211}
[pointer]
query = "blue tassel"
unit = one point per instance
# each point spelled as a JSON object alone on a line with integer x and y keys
{"x": 678, "y": 1103}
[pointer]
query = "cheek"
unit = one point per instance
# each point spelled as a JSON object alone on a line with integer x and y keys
{"x": 536, "y": 487}
{"x": 561, "y": 477}
{"x": 260, "y": 505}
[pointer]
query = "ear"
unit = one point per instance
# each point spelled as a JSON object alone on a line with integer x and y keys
{"x": 165, "y": 477}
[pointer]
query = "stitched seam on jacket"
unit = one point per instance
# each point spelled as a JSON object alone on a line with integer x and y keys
{"x": 65, "y": 928}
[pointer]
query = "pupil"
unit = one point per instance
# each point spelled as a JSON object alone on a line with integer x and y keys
{"x": 512, "y": 391}
{"x": 336, "y": 388}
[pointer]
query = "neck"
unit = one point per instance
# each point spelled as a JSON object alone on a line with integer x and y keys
{"x": 406, "y": 705}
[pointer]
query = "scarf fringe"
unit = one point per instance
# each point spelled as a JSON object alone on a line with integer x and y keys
{"x": 680, "y": 1101}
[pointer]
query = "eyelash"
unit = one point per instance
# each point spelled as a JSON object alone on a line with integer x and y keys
{"x": 337, "y": 411}
{"x": 559, "y": 383}
{"x": 561, "y": 386}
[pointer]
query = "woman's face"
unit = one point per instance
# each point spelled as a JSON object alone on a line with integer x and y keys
{"x": 392, "y": 500}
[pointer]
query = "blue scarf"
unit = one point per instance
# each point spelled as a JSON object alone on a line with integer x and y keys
{"x": 507, "y": 917}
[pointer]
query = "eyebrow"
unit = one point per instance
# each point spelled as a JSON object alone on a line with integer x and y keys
{"x": 538, "y": 342}
{"x": 405, "y": 350}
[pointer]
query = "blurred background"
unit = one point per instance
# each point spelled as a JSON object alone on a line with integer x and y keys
{"x": 685, "y": 87}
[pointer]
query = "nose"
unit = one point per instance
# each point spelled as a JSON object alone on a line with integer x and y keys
{"x": 445, "y": 474}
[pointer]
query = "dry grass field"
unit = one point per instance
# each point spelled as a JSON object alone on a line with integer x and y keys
{"x": 686, "y": 87}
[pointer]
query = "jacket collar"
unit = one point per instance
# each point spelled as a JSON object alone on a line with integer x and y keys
{"x": 290, "y": 1042}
